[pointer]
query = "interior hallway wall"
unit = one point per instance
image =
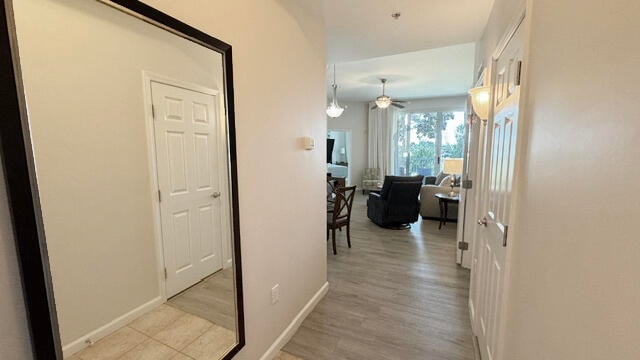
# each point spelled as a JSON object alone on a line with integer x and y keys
{"x": 574, "y": 287}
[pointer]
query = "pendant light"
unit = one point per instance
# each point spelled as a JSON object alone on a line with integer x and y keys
{"x": 334, "y": 110}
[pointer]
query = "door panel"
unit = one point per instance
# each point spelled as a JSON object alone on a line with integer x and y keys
{"x": 185, "y": 124}
{"x": 203, "y": 150}
{"x": 490, "y": 256}
{"x": 176, "y": 162}
{"x": 180, "y": 232}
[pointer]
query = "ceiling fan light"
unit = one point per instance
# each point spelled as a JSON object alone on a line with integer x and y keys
{"x": 383, "y": 101}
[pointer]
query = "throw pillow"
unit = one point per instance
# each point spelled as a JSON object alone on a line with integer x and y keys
{"x": 446, "y": 181}
{"x": 440, "y": 176}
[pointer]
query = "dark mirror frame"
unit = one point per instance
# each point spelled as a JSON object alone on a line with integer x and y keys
{"x": 22, "y": 188}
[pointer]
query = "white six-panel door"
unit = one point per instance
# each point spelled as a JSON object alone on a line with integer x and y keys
{"x": 185, "y": 123}
{"x": 490, "y": 256}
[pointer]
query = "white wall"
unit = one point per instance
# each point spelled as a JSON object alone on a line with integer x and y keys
{"x": 574, "y": 287}
{"x": 14, "y": 341}
{"x": 354, "y": 118}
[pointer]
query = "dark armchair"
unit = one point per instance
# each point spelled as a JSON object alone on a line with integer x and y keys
{"x": 397, "y": 204}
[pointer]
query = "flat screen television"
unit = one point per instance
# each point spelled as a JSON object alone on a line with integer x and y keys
{"x": 330, "y": 143}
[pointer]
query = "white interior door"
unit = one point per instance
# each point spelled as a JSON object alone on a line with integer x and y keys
{"x": 185, "y": 123}
{"x": 490, "y": 251}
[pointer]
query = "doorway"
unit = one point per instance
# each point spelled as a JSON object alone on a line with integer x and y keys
{"x": 339, "y": 155}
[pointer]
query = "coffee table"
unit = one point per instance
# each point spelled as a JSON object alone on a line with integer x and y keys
{"x": 444, "y": 200}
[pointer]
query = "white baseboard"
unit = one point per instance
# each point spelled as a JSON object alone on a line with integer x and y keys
{"x": 286, "y": 335}
{"x": 95, "y": 335}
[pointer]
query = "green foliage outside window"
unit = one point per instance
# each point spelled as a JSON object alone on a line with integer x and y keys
{"x": 425, "y": 124}
{"x": 455, "y": 150}
{"x": 416, "y": 142}
{"x": 422, "y": 158}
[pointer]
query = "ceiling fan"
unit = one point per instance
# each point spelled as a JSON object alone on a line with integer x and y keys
{"x": 383, "y": 101}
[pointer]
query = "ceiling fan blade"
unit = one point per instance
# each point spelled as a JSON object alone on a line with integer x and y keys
{"x": 374, "y": 107}
{"x": 400, "y": 101}
{"x": 397, "y": 105}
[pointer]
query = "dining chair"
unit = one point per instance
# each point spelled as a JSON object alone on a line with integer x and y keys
{"x": 340, "y": 216}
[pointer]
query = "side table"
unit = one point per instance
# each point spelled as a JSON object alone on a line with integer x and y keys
{"x": 444, "y": 200}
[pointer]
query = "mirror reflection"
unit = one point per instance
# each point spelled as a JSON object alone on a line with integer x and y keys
{"x": 338, "y": 155}
{"x": 130, "y": 144}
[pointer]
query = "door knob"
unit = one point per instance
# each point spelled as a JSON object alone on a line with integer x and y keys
{"x": 482, "y": 221}
{"x": 215, "y": 195}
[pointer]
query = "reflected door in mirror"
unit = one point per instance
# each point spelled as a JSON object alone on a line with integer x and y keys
{"x": 185, "y": 125}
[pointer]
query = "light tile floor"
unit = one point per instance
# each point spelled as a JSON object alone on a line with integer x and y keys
{"x": 162, "y": 334}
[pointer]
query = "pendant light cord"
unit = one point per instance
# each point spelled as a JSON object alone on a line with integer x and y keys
{"x": 334, "y": 87}
{"x": 334, "y": 74}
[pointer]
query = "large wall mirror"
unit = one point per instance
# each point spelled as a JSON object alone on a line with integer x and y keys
{"x": 118, "y": 144}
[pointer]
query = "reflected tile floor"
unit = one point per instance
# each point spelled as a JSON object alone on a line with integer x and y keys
{"x": 162, "y": 334}
{"x": 396, "y": 294}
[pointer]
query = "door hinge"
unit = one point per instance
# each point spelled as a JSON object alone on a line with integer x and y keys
{"x": 464, "y": 246}
{"x": 153, "y": 111}
{"x": 504, "y": 237}
{"x": 518, "y": 73}
{"x": 159, "y": 196}
{"x": 467, "y": 184}
{"x": 165, "y": 273}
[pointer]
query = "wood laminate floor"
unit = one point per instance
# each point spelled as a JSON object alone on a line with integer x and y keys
{"x": 212, "y": 299}
{"x": 396, "y": 294}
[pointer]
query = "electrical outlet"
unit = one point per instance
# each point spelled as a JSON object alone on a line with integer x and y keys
{"x": 275, "y": 293}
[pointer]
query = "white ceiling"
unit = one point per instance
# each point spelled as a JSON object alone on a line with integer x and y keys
{"x": 362, "y": 29}
{"x": 421, "y": 74}
{"x": 428, "y": 52}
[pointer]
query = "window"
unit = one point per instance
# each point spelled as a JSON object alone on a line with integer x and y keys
{"x": 423, "y": 139}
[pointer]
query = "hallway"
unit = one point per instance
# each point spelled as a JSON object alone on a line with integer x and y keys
{"x": 396, "y": 294}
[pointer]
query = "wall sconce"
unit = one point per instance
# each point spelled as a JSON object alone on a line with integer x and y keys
{"x": 480, "y": 100}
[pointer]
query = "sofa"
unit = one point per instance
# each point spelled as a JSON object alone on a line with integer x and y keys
{"x": 429, "y": 204}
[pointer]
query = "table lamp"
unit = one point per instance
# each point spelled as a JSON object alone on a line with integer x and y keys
{"x": 452, "y": 166}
